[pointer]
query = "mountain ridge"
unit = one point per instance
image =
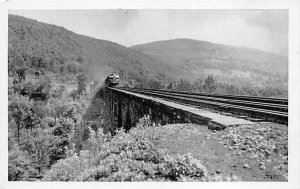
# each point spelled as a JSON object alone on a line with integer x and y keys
{"x": 185, "y": 42}
{"x": 207, "y": 42}
{"x": 197, "y": 58}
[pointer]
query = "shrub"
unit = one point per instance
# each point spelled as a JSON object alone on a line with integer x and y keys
{"x": 81, "y": 83}
{"x": 74, "y": 94}
{"x": 126, "y": 157}
{"x": 19, "y": 165}
{"x": 69, "y": 168}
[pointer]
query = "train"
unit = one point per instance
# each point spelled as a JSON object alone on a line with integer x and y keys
{"x": 112, "y": 80}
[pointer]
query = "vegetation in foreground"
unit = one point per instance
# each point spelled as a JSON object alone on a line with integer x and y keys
{"x": 128, "y": 157}
{"x": 38, "y": 137}
{"x": 42, "y": 117}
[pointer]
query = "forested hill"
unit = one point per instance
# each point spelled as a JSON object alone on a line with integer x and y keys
{"x": 39, "y": 45}
{"x": 223, "y": 61}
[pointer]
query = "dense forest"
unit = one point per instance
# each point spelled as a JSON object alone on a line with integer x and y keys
{"x": 50, "y": 69}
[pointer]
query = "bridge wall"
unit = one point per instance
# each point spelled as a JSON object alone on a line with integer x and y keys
{"x": 122, "y": 110}
{"x": 113, "y": 108}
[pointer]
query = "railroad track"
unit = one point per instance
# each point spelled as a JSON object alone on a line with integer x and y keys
{"x": 260, "y": 108}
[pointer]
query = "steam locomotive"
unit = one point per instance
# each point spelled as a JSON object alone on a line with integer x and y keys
{"x": 112, "y": 80}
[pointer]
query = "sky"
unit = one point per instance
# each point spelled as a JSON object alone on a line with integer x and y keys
{"x": 257, "y": 28}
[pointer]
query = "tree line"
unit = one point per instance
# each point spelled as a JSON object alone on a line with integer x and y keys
{"x": 209, "y": 85}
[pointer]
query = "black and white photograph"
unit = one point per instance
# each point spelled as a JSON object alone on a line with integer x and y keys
{"x": 150, "y": 95}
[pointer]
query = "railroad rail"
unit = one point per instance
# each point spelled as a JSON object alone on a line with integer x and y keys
{"x": 271, "y": 109}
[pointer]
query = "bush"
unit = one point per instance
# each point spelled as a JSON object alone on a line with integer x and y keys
{"x": 81, "y": 83}
{"x": 19, "y": 165}
{"x": 73, "y": 94}
{"x": 126, "y": 157}
{"x": 69, "y": 168}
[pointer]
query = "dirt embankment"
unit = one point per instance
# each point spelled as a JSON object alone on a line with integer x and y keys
{"x": 252, "y": 153}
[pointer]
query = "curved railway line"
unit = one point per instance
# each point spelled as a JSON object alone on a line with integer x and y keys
{"x": 270, "y": 109}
